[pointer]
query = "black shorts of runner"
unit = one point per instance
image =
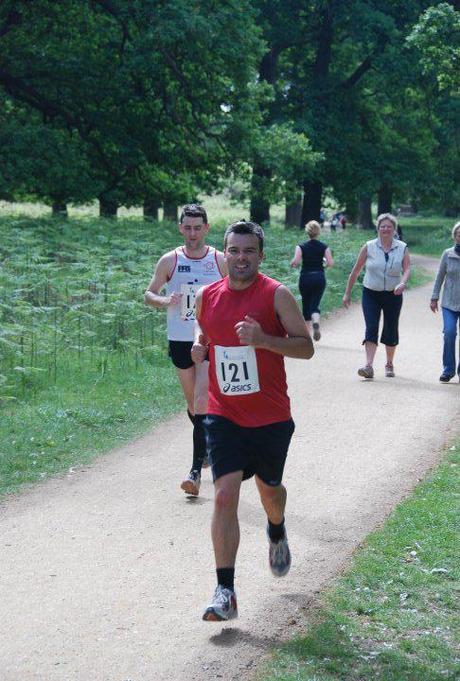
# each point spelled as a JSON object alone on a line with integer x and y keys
{"x": 179, "y": 351}
{"x": 257, "y": 451}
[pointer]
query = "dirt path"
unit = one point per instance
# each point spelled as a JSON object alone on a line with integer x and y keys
{"x": 105, "y": 571}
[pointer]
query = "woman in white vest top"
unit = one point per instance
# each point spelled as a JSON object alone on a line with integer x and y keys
{"x": 387, "y": 263}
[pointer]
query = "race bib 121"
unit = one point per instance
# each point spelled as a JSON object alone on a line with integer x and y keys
{"x": 236, "y": 370}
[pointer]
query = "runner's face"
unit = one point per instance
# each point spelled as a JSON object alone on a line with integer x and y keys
{"x": 457, "y": 236}
{"x": 243, "y": 257}
{"x": 194, "y": 231}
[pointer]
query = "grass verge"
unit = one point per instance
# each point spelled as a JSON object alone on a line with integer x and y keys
{"x": 83, "y": 414}
{"x": 393, "y": 615}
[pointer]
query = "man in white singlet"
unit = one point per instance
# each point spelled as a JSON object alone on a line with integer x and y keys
{"x": 183, "y": 271}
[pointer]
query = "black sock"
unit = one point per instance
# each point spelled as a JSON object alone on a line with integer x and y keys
{"x": 199, "y": 443}
{"x": 226, "y": 577}
{"x": 276, "y": 532}
{"x": 191, "y": 417}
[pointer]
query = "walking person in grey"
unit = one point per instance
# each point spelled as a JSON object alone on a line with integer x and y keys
{"x": 449, "y": 275}
{"x": 387, "y": 264}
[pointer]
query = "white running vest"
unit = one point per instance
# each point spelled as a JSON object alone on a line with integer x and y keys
{"x": 188, "y": 275}
{"x": 384, "y": 274}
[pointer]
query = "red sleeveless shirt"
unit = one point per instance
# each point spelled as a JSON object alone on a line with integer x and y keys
{"x": 245, "y": 387}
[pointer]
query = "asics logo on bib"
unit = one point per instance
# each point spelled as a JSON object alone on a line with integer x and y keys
{"x": 245, "y": 388}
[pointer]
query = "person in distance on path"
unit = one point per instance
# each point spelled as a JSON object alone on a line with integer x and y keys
{"x": 387, "y": 263}
{"x": 449, "y": 275}
{"x": 248, "y": 323}
{"x": 183, "y": 271}
{"x": 314, "y": 256}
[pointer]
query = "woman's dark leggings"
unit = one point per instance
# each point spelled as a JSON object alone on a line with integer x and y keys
{"x": 311, "y": 287}
{"x": 375, "y": 302}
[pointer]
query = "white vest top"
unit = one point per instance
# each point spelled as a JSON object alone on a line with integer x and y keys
{"x": 382, "y": 274}
{"x": 188, "y": 275}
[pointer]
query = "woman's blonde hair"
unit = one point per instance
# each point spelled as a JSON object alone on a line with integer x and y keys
{"x": 313, "y": 228}
{"x": 388, "y": 216}
{"x": 454, "y": 229}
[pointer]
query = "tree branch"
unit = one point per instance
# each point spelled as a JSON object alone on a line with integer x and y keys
{"x": 358, "y": 73}
{"x": 109, "y": 8}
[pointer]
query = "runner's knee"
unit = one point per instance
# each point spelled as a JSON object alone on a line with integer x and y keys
{"x": 226, "y": 499}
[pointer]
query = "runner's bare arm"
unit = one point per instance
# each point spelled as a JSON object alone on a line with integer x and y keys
{"x": 297, "y": 259}
{"x": 222, "y": 263}
{"x": 357, "y": 267}
{"x": 297, "y": 343}
{"x": 200, "y": 343}
{"x": 160, "y": 277}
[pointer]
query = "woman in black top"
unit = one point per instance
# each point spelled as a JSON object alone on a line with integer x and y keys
{"x": 314, "y": 255}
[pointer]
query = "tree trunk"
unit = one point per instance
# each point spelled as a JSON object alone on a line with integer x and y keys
{"x": 260, "y": 206}
{"x": 312, "y": 196}
{"x": 385, "y": 199}
{"x": 293, "y": 212}
{"x": 323, "y": 54}
{"x": 261, "y": 175}
{"x": 365, "y": 212}
{"x": 150, "y": 209}
{"x": 107, "y": 207}
{"x": 59, "y": 209}
{"x": 351, "y": 208}
{"x": 170, "y": 211}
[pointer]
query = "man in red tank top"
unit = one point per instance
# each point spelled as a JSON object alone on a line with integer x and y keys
{"x": 248, "y": 323}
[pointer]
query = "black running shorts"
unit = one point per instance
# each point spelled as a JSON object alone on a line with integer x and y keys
{"x": 260, "y": 451}
{"x": 179, "y": 351}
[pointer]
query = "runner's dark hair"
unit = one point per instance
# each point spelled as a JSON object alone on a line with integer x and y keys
{"x": 245, "y": 227}
{"x": 193, "y": 210}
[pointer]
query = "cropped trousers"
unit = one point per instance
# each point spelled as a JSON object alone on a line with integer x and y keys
{"x": 376, "y": 303}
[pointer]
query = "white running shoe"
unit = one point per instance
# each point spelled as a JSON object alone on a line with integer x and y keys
{"x": 191, "y": 484}
{"x": 222, "y": 607}
{"x": 279, "y": 556}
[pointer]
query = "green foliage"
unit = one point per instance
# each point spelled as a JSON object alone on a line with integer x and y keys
{"x": 141, "y": 99}
{"x": 145, "y": 86}
{"x": 343, "y": 75}
{"x": 41, "y": 161}
{"x": 436, "y": 37}
{"x": 288, "y": 155}
{"x": 75, "y": 297}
